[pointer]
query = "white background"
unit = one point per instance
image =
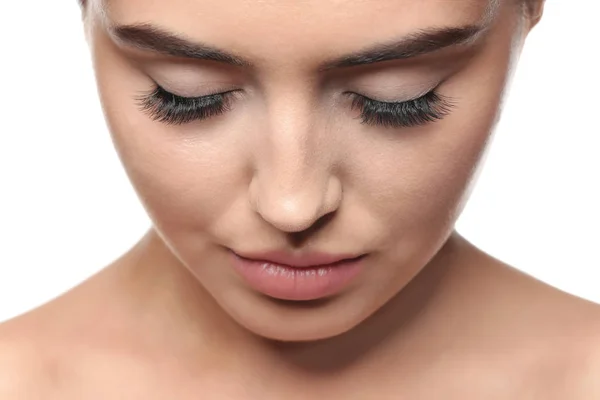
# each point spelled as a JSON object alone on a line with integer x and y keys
{"x": 67, "y": 210}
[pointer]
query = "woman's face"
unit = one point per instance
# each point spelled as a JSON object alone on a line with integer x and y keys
{"x": 292, "y": 158}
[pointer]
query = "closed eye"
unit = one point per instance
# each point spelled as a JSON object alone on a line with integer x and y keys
{"x": 170, "y": 108}
{"x": 422, "y": 110}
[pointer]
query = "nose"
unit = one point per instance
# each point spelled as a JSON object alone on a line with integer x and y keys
{"x": 293, "y": 185}
{"x": 293, "y": 202}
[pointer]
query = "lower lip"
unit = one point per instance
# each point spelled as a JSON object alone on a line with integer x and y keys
{"x": 297, "y": 283}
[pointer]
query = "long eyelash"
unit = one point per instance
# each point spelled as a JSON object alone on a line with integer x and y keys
{"x": 167, "y": 107}
{"x": 427, "y": 108}
{"x": 170, "y": 108}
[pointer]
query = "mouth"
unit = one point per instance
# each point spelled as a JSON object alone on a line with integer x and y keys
{"x": 301, "y": 278}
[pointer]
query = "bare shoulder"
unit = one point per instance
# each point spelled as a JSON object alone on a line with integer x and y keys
{"x": 24, "y": 372}
{"x": 40, "y": 348}
{"x": 36, "y": 349}
{"x": 571, "y": 366}
{"x": 550, "y": 339}
{"x": 585, "y": 364}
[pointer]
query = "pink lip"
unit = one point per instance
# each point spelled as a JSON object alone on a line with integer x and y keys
{"x": 306, "y": 277}
{"x": 300, "y": 261}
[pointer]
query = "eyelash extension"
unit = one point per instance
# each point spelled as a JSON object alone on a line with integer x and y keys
{"x": 427, "y": 108}
{"x": 170, "y": 108}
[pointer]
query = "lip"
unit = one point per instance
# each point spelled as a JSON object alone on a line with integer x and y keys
{"x": 301, "y": 278}
{"x": 315, "y": 259}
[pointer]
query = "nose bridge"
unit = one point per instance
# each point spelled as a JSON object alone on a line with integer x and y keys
{"x": 293, "y": 185}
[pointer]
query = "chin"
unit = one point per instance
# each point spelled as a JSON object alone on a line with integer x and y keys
{"x": 294, "y": 321}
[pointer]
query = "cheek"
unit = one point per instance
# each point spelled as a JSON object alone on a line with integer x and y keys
{"x": 415, "y": 187}
{"x": 184, "y": 187}
{"x": 417, "y": 180}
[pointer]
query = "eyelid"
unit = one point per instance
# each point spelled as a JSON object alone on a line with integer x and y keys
{"x": 215, "y": 93}
{"x": 172, "y": 108}
{"x": 168, "y": 107}
{"x": 352, "y": 94}
{"x": 421, "y": 91}
{"x": 428, "y": 108}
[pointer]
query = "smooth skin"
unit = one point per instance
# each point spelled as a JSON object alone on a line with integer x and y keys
{"x": 290, "y": 167}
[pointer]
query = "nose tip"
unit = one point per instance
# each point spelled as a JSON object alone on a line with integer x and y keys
{"x": 296, "y": 208}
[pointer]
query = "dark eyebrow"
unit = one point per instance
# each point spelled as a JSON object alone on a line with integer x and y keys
{"x": 415, "y": 44}
{"x": 150, "y": 37}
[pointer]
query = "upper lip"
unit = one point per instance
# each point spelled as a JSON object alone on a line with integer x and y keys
{"x": 313, "y": 259}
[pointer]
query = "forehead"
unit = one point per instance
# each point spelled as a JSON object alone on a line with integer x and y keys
{"x": 283, "y": 15}
{"x": 293, "y": 29}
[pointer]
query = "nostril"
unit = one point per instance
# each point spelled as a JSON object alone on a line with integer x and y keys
{"x": 299, "y": 238}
